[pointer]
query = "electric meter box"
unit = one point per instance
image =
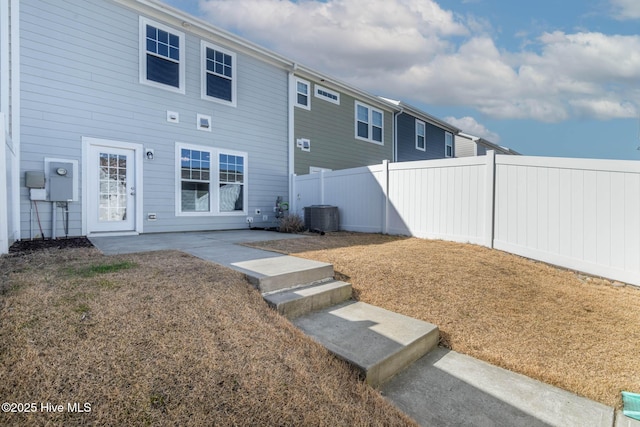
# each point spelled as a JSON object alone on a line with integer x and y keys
{"x": 34, "y": 179}
{"x": 60, "y": 182}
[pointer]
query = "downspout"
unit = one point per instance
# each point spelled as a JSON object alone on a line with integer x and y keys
{"x": 291, "y": 136}
{"x": 4, "y": 108}
{"x": 395, "y": 134}
{"x": 14, "y": 117}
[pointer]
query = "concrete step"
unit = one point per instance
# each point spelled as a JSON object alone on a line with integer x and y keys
{"x": 272, "y": 274}
{"x": 298, "y": 301}
{"x": 379, "y": 342}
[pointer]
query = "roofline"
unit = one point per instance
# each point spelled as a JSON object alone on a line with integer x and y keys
{"x": 304, "y": 71}
{"x": 490, "y": 144}
{"x": 193, "y": 24}
{"x": 190, "y": 23}
{"x": 423, "y": 115}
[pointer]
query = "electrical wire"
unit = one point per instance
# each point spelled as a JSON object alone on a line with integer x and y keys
{"x": 66, "y": 219}
{"x": 38, "y": 216}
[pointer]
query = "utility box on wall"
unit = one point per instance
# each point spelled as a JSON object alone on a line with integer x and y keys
{"x": 60, "y": 181}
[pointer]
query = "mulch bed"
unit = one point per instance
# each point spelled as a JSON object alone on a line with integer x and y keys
{"x": 22, "y": 247}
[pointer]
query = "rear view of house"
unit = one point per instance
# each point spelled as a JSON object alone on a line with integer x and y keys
{"x": 136, "y": 117}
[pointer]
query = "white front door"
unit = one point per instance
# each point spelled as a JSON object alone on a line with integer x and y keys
{"x": 111, "y": 189}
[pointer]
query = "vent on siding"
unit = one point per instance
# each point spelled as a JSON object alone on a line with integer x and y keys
{"x": 321, "y": 217}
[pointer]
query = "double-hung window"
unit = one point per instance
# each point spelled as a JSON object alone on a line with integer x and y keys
{"x": 369, "y": 123}
{"x": 302, "y": 94}
{"x": 195, "y": 180}
{"x": 448, "y": 144}
{"x": 421, "y": 136}
{"x": 218, "y": 74}
{"x": 231, "y": 182}
{"x": 161, "y": 56}
{"x": 210, "y": 181}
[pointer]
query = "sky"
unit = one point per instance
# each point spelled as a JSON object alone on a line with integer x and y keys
{"x": 545, "y": 78}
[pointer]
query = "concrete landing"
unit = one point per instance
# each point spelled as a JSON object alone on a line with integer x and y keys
{"x": 624, "y": 421}
{"x": 378, "y": 342}
{"x": 272, "y": 274}
{"x": 446, "y": 388}
{"x": 295, "y": 302}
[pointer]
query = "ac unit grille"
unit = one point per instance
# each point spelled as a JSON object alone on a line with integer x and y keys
{"x": 321, "y": 217}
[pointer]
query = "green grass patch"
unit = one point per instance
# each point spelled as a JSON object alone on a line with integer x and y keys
{"x": 94, "y": 270}
{"x": 82, "y": 309}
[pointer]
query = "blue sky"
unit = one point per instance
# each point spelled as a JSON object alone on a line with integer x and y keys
{"x": 546, "y": 78}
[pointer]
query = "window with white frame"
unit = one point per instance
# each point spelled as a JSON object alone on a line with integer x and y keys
{"x": 218, "y": 74}
{"x": 210, "y": 181}
{"x": 161, "y": 56}
{"x": 369, "y": 123}
{"x": 448, "y": 144}
{"x": 327, "y": 94}
{"x": 302, "y": 94}
{"x": 195, "y": 180}
{"x": 231, "y": 183}
{"x": 421, "y": 136}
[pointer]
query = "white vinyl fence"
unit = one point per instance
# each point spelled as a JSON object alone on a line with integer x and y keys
{"x": 581, "y": 214}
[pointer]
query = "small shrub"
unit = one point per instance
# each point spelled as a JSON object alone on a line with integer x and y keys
{"x": 292, "y": 223}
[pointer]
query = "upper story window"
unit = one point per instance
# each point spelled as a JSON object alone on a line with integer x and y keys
{"x": 218, "y": 74}
{"x": 421, "y": 136}
{"x": 302, "y": 94}
{"x": 327, "y": 94}
{"x": 369, "y": 123}
{"x": 161, "y": 56}
{"x": 448, "y": 144}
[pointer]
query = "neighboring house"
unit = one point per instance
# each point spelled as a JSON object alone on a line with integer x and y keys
{"x": 140, "y": 117}
{"x": 469, "y": 146}
{"x": 420, "y": 136}
{"x": 337, "y": 126}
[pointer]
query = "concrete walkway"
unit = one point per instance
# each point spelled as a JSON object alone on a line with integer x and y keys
{"x": 443, "y": 388}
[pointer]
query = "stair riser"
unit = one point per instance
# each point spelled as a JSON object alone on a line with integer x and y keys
{"x": 299, "y": 307}
{"x": 287, "y": 280}
{"x": 386, "y": 369}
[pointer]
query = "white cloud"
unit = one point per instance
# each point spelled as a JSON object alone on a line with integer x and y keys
{"x": 471, "y": 126}
{"x": 626, "y": 9}
{"x": 416, "y": 51}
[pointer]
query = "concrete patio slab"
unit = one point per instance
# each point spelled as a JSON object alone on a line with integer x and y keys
{"x": 446, "y": 388}
{"x": 221, "y": 247}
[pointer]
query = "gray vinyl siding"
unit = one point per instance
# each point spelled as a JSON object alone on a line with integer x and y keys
{"x": 464, "y": 147}
{"x": 331, "y": 130}
{"x": 80, "y": 79}
{"x": 407, "y": 151}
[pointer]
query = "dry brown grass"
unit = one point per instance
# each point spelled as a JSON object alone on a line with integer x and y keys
{"x": 163, "y": 339}
{"x": 565, "y": 329}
